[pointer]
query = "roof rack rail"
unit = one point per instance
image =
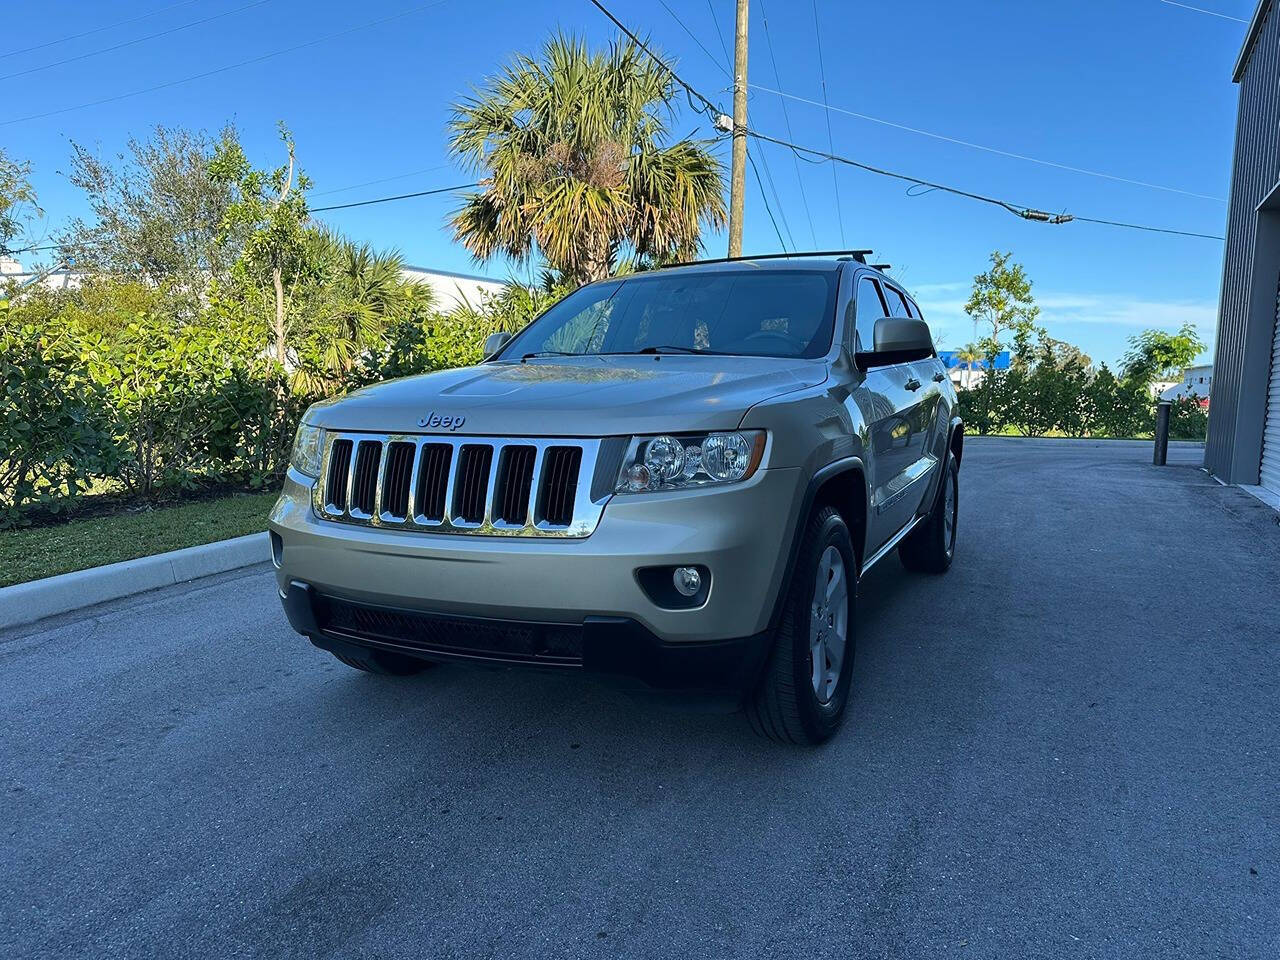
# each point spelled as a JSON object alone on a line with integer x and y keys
{"x": 859, "y": 255}
{"x": 880, "y": 266}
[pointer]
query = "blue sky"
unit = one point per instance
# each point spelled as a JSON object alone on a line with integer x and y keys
{"x": 1135, "y": 89}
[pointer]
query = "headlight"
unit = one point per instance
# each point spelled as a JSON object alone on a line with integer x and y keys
{"x": 308, "y": 448}
{"x": 674, "y": 463}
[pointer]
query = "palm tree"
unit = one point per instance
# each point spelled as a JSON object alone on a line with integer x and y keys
{"x": 969, "y": 354}
{"x": 576, "y": 161}
{"x": 351, "y": 294}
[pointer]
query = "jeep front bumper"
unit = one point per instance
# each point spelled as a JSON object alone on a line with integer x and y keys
{"x": 553, "y": 587}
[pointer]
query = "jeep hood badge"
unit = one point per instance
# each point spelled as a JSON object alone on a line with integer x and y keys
{"x": 437, "y": 421}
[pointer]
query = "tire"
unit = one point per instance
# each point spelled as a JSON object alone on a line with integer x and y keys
{"x": 384, "y": 662}
{"x": 787, "y": 706}
{"x": 931, "y": 546}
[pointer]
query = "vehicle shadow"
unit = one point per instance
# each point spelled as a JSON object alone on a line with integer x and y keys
{"x": 542, "y": 711}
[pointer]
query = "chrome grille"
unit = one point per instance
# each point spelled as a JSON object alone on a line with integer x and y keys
{"x": 472, "y": 485}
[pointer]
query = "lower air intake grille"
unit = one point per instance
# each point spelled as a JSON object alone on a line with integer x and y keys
{"x": 550, "y": 643}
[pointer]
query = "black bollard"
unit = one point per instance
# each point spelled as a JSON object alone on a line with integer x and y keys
{"x": 1162, "y": 433}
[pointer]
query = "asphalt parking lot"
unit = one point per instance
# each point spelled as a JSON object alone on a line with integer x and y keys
{"x": 1069, "y": 746}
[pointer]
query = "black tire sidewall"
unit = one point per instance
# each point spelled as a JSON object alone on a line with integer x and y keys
{"x": 952, "y": 477}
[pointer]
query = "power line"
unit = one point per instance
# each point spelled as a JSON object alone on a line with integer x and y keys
{"x": 130, "y": 43}
{"x": 708, "y": 108}
{"x": 786, "y": 119}
{"x": 402, "y": 196}
{"x": 724, "y": 47}
{"x": 979, "y": 146}
{"x": 89, "y": 33}
{"x": 1212, "y": 13}
{"x": 822, "y": 72}
{"x": 692, "y": 36}
{"x": 370, "y": 183}
{"x": 230, "y": 66}
{"x": 1018, "y": 210}
{"x": 765, "y": 198}
{"x": 777, "y": 198}
{"x": 1026, "y": 213}
{"x": 1139, "y": 226}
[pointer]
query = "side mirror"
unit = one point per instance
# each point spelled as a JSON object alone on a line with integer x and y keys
{"x": 495, "y": 342}
{"x": 901, "y": 335}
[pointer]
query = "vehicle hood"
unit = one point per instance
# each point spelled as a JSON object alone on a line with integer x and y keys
{"x": 593, "y": 396}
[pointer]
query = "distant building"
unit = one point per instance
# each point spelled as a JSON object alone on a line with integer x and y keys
{"x": 63, "y": 278}
{"x": 963, "y": 376}
{"x": 1196, "y": 382}
{"x": 452, "y": 289}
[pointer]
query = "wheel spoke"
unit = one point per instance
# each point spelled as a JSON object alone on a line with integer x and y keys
{"x": 828, "y": 622}
{"x": 835, "y": 582}
{"x": 818, "y": 658}
{"x": 835, "y": 647}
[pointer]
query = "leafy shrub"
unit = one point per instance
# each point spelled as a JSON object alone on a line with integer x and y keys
{"x": 1188, "y": 420}
{"x": 178, "y": 396}
{"x": 54, "y": 434}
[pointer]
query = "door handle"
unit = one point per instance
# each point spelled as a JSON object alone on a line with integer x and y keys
{"x": 912, "y": 384}
{"x": 939, "y": 377}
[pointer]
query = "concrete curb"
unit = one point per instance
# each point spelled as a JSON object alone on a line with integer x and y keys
{"x": 28, "y": 602}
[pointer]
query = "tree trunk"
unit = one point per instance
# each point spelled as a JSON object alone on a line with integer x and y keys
{"x": 277, "y": 274}
{"x": 277, "y": 279}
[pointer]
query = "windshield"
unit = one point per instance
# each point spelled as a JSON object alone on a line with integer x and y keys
{"x": 766, "y": 313}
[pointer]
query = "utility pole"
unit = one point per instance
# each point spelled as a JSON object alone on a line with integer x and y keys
{"x": 738, "y": 170}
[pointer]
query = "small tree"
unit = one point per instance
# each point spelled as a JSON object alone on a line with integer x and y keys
{"x": 17, "y": 199}
{"x": 158, "y": 212}
{"x": 269, "y": 210}
{"x": 1001, "y": 299}
{"x": 1156, "y": 355}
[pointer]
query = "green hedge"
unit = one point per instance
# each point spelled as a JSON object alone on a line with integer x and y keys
{"x": 151, "y": 407}
{"x": 103, "y": 388}
{"x": 1043, "y": 399}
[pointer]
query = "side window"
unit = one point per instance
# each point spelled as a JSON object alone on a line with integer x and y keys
{"x": 914, "y": 308}
{"x": 897, "y": 305}
{"x": 870, "y": 308}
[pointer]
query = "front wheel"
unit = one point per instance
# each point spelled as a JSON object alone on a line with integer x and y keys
{"x": 802, "y": 695}
{"x": 931, "y": 546}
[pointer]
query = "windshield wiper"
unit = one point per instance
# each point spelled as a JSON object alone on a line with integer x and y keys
{"x": 550, "y": 353}
{"x": 669, "y": 348}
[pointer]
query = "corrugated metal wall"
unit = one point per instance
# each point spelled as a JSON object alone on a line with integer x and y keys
{"x": 1256, "y": 170}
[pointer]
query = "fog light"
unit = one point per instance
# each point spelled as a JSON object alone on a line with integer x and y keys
{"x": 687, "y": 580}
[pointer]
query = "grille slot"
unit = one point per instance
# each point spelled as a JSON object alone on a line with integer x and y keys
{"x": 364, "y": 486}
{"x": 339, "y": 468}
{"x": 395, "y": 479}
{"x": 433, "y": 481}
{"x": 515, "y": 481}
{"x": 560, "y": 484}
{"x": 474, "y": 461}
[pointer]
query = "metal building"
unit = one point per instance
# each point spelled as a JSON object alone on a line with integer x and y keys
{"x": 1244, "y": 418}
